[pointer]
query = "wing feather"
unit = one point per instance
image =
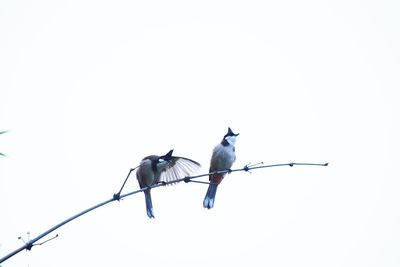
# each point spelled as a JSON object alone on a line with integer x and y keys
{"x": 179, "y": 168}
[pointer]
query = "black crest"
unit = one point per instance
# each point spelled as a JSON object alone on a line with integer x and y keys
{"x": 230, "y": 133}
{"x": 168, "y": 156}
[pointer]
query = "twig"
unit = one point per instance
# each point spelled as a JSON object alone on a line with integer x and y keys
{"x": 117, "y": 196}
{"x": 39, "y": 244}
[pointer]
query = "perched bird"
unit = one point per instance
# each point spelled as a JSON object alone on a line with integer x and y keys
{"x": 157, "y": 169}
{"x": 222, "y": 158}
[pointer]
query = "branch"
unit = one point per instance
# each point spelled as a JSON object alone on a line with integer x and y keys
{"x": 246, "y": 168}
{"x": 118, "y": 196}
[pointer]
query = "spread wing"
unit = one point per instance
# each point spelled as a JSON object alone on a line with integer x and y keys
{"x": 179, "y": 168}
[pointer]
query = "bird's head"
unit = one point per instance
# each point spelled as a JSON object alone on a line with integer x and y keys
{"x": 167, "y": 157}
{"x": 229, "y": 137}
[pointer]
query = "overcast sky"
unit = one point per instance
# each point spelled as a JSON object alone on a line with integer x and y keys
{"x": 89, "y": 88}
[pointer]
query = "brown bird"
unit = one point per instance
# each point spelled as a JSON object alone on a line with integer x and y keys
{"x": 222, "y": 158}
{"x": 155, "y": 169}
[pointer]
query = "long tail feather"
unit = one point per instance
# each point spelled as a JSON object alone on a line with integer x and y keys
{"x": 209, "y": 199}
{"x": 149, "y": 204}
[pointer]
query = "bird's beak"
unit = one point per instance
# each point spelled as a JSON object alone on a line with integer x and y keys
{"x": 230, "y": 132}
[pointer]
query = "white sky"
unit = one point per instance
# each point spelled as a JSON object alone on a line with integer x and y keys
{"x": 89, "y": 88}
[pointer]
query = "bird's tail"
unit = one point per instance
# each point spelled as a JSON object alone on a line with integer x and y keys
{"x": 149, "y": 205}
{"x": 210, "y": 196}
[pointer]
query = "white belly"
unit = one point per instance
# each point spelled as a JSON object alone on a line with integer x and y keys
{"x": 223, "y": 158}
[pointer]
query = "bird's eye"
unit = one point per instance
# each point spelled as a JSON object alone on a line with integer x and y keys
{"x": 160, "y": 160}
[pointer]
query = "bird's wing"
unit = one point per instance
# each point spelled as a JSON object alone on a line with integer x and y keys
{"x": 179, "y": 168}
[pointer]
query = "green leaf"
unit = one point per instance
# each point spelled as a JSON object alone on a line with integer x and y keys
{"x": 1, "y": 154}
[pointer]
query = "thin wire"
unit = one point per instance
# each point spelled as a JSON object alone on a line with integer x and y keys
{"x": 31, "y": 243}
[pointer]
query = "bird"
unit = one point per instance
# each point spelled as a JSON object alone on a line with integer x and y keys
{"x": 222, "y": 158}
{"x": 155, "y": 169}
